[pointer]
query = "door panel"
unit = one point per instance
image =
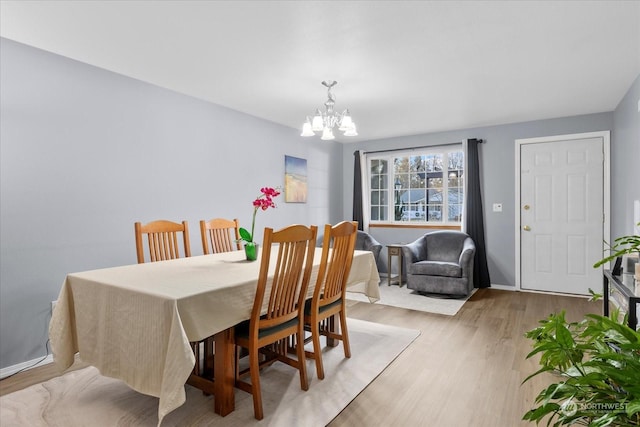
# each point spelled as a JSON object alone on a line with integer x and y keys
{"x": 561, "y": 215}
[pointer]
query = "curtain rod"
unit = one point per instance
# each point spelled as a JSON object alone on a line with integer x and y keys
{"x": 420, "y": 147}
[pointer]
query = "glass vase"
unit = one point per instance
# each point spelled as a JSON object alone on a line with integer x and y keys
{"x": 251, "y": 251}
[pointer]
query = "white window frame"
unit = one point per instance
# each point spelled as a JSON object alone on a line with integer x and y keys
{"x": 389, "y": 157}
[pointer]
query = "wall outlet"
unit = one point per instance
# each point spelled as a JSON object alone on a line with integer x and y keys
{"x": 497, "y": 207}
{"x": 53, "y": 305}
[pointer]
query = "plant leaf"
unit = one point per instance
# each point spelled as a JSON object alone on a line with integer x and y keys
{"x": 633, "y": 407}
{"x": 245, "y": 235}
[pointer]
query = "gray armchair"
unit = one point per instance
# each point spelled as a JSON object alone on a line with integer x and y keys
{"x": 440, "y": 262}
{"x": 366, "y": 242}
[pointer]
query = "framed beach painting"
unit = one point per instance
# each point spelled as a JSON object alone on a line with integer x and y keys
{"x": 295, "y": 180}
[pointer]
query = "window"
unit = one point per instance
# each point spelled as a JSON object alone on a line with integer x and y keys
{"x": 417, "y": 187}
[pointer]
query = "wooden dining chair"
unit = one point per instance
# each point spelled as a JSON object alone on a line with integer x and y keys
{"x": 277, "y": 312}
{"x": 217, "y": 235}
{"x": 330, "y": 291}
{"x": 162, "y": 238}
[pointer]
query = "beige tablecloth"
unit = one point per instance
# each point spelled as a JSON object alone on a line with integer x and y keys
{"x": 135, "y": 322}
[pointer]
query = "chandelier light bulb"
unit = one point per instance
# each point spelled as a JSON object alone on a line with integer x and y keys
{"x": 327, "y": 134}
{"x": 317, "y": 125}
{"x": 346, "y": 121}
{"x": 306, "y": 128}
{"x": 351, "y": 131}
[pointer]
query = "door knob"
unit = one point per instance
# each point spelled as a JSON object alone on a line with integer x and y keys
{"x": 526, "y": 228}
{"x": 526, "y": 207}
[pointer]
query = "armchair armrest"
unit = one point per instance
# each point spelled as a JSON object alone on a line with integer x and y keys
{"x": 466, "y": 256}
{"x": 415, "y": 251}
{"x": 375, "y": 249}
{"x": 366, "y": 242}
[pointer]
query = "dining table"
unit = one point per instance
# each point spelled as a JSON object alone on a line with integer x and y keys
{"x": 137, "y": 322}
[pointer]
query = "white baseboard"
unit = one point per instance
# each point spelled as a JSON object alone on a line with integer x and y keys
{"x": 533, "y": 291}
{"x": 25, "y": 366}
{"x": 514, "y": 289}
{"x": 503, "y": 287}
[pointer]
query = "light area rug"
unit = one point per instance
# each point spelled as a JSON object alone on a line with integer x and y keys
{"x": 86, "y": 398}
{"x": 407, "y": 298}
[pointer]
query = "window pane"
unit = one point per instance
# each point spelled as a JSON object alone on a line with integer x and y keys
{"x": 455, "y": 184}
{"x": 435, "y": 196}
{"x": 374, "y": 213}
{"x": 383, "y": 183}
{"x": 384, "y": 198}
{"x": 375, "y": 198}
{"x": 455, "y": 180}
{"x": 400, "y": 165}
{"x": 378, "y": 197}
{"x": 455, "y": 213}
{"x": 375, "y": 182}
{"x": 435, "y": 213}
{"x": 378, "y": 167}
{"x": 456, "y": 196}
{"x": 435, "y": 180}
{"x": 433, "y": 162}
{"x": 456, "y": 160}
{"x": 417, "y": 195}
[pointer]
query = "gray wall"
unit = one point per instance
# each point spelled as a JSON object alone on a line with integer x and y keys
{"x": 85, "y": 153}
{"x": 625, "y": 163}
{"x": 497, "y": 164}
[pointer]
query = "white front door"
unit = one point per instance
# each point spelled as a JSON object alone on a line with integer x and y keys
{"x": 561, "y": 214}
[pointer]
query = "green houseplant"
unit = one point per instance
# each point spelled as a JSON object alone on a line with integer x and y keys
{"x": 596, "y": 363}
{"x": 621, "y": 246}
{"x": 264, "y": 201}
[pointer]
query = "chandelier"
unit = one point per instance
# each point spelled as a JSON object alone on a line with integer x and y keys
{"x": 327, "y": 121}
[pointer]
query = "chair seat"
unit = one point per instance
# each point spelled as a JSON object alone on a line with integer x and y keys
{"x": 436, "y": 268}
{"x": 242, "y": 330}
{"x": 307, "y": 306}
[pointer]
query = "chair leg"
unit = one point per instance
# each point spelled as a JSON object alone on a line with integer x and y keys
{"x": 209, "y": 345}
{"x": 317, "y": 350}
{"x": 195, "y": 347}
{"x": 345, "y": 333}
{"x": 302, "y": 363}
{"x": 255, "y": 383}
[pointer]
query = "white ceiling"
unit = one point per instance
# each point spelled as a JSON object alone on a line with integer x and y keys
{"x": 403, "y": 67}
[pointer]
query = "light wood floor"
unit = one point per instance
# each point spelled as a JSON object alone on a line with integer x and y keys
{"x": 462, "y": 370}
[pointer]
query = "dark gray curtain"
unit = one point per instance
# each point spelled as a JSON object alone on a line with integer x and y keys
{"x": 474, "y": 221}
{"x": 357, "y": 191}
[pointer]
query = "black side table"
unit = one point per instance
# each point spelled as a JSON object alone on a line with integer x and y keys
{"x": 625, "y": 286}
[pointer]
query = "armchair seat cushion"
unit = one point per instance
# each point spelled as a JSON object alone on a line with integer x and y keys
{"x": 436, "y": 268}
